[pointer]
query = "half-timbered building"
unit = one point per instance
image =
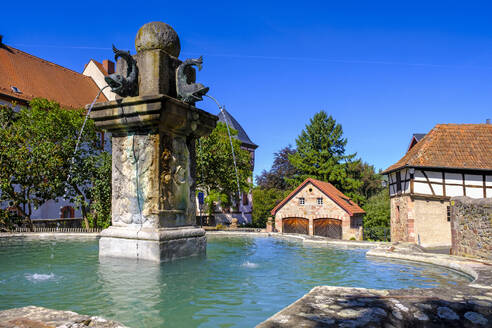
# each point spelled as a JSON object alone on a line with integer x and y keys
{"x": 318, "y": 208}
{"x": 451, "y": 160}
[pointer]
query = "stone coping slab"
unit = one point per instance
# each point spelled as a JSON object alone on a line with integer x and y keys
{"x": 305, "y": 239}
{"x": 40, "y": 317}
{"x": 466, "y": 305}
{"x": 50, "y": 235}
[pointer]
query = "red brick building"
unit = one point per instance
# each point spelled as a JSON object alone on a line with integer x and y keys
{"x": 318, "y": 208}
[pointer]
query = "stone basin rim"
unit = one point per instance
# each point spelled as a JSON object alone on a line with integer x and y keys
{"x": 438, "y": 260}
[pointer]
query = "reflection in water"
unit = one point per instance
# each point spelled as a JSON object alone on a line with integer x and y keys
{"x": 240, "y": 282}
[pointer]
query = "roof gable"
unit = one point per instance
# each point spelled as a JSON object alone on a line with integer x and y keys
{"x": 36, "y": 77}
{"x": 457, "y": 146}
{"x": 241, "y": 134}
{"x": 330, "y": 191}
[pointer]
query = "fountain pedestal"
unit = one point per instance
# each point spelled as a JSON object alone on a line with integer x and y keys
{"x": 153, "y": 161}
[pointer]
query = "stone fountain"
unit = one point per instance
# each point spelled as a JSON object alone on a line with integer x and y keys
{"x": 154, "y": 126}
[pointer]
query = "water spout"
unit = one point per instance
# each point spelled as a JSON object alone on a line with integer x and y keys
{"x": 221, "y": 108}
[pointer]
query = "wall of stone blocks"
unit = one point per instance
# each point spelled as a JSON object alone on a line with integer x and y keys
{"x": 471, "y": 227}
{"x": 311, "y": 210}
{"x": 402, "y": 228}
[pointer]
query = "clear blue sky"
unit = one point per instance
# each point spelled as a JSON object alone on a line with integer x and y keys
{"x": 384, "y": 70}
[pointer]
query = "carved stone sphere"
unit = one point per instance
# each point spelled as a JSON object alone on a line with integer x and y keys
{"x": 158, "y": 35}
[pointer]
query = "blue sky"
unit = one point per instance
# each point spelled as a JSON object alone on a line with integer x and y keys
{"x": 383, "y": 69}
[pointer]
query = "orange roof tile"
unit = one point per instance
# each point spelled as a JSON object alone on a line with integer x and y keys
{"x": 459, "y": 146}
{"x": 36, "y": 77}
{"x": 329, "y": 190}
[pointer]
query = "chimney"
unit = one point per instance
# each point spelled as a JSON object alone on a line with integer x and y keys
{"x": 108, "y": 66}
{"x": 487, "y": 121}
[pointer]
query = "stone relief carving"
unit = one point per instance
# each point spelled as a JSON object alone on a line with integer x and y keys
{"x": 174, "y": 176}
{"x": 132, "y": 178}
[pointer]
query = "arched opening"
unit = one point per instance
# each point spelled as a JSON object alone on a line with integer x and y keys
{"x": 331, "y": 228}
{"x": 67, "y": 212}
{"x": 295, "y": 225}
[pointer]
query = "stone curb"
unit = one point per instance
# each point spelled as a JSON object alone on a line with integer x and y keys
{"x": 466, "y": 305}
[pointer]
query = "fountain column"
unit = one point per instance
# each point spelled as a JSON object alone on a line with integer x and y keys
{"x": 153, "y": 157}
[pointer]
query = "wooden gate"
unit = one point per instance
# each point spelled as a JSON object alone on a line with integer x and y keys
{"x": 295, "y": 225}
{"x": 331, "y": 228}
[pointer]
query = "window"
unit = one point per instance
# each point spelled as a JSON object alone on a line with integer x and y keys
{"x": 398, "y": 181}
{"x": 448, "y": 213}
{"x": 15, "y": 89}
{"x": 245, "y": 199}
{"x": 319, "y": 201}
{"x": 301, "y": 200}
{"x": 67, "y": 212}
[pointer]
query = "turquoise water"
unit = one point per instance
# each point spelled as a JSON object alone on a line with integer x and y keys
{"x": 241, "y": 282}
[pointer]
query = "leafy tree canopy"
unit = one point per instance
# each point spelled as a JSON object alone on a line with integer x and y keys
{"x": 321, "y": 155}
{"x": 264, "y": 201}
{"x": 36, "y": 147}
{"x": 215, "y": 170}
{"x": 377, "y": 218}
{"x": 281, "y": 170}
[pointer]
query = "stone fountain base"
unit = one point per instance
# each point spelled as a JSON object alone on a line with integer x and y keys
{"x": 159, "y": 245}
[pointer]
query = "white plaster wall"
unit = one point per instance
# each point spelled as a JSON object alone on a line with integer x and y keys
{"x": 93, "y": 71}
{"x": 453, "y": 191}
{"x": 474, "y": 192}
{"x": 474, "y": 180}
{"x": 421, "y": 188}
{"x": 51, "y": 209}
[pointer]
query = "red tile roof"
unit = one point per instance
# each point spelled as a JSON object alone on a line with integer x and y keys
{"x": 459, "y": 146}
{"x": 329, "y": 190}
{"x": 36, "y": 77}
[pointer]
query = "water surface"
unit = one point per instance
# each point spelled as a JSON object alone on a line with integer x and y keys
{"x": 241, "y": 282}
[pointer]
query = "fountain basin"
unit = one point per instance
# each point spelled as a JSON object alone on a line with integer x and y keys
{"x": 240, "y": 282}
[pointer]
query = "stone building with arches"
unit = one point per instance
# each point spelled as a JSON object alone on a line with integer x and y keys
{"x": 318, "y": 208}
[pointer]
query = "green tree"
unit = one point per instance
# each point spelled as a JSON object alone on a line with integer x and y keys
{"x": 377, "y": 219}
{"x": 264, "y": 201}
{"x": 321, "y": 155}
{"x": 215, "y": 171}
{"x": 36, "y": 148}
{"x": 281, "y": 170}
{"x": 100, "y": 191}
{"x": 370, "y": 180}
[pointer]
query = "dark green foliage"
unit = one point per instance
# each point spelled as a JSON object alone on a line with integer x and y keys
{"x": 321, "y": 155}
{"x": 264, "y": 201}
{"x": 370, "y": 180}
{"x": 281, "y": 170}
{"x": 215, "y": 171}
{"x": 377, "y": 219}
{"x": 100, "y": 192}
{"x": 36, "y": 147}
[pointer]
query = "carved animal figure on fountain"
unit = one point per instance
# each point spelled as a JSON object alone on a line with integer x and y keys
{"x": 186, "y": 89}
{"x": 124, "y": 86}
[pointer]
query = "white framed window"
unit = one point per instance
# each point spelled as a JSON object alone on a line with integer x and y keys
{"x": 319, "y": 201}
{"x": 302, "y": 201}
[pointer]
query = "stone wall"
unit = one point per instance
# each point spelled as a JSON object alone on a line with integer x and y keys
{"x": 311, "y": 210}
{"x": 402, "y": 228}
{"x": 471, "y": 227}
{"x": 431, "y": 225}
